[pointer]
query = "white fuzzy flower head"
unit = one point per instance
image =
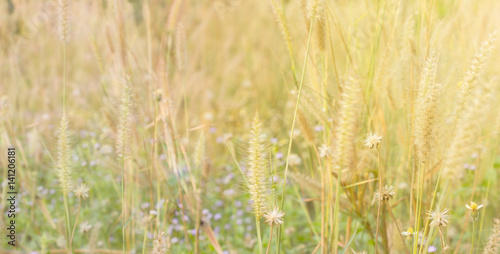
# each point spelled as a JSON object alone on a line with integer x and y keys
{"x": 85, "y": 227}
{"x": 325, "y": 151}
{"x": 294, "y": 160}
{"x": 274, "y": 216}
{"x": 439, "y": 218}
{"x": 386, "y": 194}
{"x": 82, "y": 191}
{"x": 359, "y": 252}
{"x": 372, "y": 140}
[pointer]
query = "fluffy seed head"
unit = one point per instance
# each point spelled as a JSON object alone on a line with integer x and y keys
{"x": 346, "y": 129}
{"x": 493, "y": 245}
{"x": 425, "y": 109}
{"x": 160, "y": 244}
{"x": 180, "y": 47}
{"x": 386, "y": 194}
{"x": 82, "y": 191}
{"x": 274, "y": 216}
{"x": 372, "y": 140}
{"x": 279, "y": 16}
{"x": 315, "y": 9}
{"x": 325, "y": 151}
{"x": 85, "y": 227}
{"x": 467, "y": 131}
{"x": 439, "y": 218}
{"x": 64, "y": 170}
{"x": 258, "y": 172}
{"x": 124, "y": 132}
{"x": 472, "y": 76}
{"x": 200, "y": 151}
{"x": 63, "y": 17}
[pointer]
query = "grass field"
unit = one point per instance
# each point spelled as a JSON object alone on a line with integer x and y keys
{"x": 240, "y": 126}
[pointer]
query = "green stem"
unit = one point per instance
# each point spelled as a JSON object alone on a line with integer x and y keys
{"x": 123, "y": 205}
{"x": 473, "y": 235}
{"x": 443, "y": 245}
{"x": 389, "y": 208}
{"x": 293, "y": 125}
{"x": 68, "y": 221}
{"x": 144, "y": 240}
{"x": 76, "y": 221}
{"x": 257, "y": 224}
{"x": 379, "y": 200}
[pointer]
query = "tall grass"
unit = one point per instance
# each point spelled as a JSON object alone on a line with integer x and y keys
{"x": 376, "y": 125}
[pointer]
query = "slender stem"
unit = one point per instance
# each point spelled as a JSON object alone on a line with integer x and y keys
{"x": 473, "y": 235}
{"x": 144, "y": 240}
{"x": 432, "y": 206}
{"x": 395, "y": 222}
{"x": 418, "y": 208}
{"x": 293, "y": 125}
{"x": 443, "y": 246}
{"x": 76, "y": 221}
{"x": 68, "y": 220}
{"x": 270, "y": 237}
{"x": 123, "y": 205}
{"x": 257, "y": 224}
{"x": 380, "y": 199}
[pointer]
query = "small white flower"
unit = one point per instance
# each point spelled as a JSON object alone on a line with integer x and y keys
{"x": 294, "y": 160}
{"x": 372, "y": 140}
{"x": 474, "y": 208}
{"x": 82, "y": 191}
{"x": 274, "y": 216}
{"x": 325, "y": 151}
{"x": 408, "y": 232}
{"x": 85, "y": 227}
{"x": 439, "y": 218}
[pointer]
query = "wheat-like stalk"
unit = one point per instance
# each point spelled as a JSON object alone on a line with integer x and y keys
{"x": 200, "y": 150}
{"x": 160, "y": 244}
{"x": 257, "y": 169}
{"x": 347, "y": 124}
{"x": 465, "y": 136}
{"x": 344, "y": 142}
{"x": 180, "y": 47}
{"x": 472, "y": 76}
{"x": 425, "y": 109}
{"x": 315, "y": 9}
{"x": 64, "y": 170}
{"x": 124, "y": 133}
{"x": 279, "y": 16}
{"x": 63, "y": 19}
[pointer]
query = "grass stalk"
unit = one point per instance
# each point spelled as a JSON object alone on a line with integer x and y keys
{"x": 473, "y": 235}
{"x": 293, "y": 125}
{"x": 380, "y": 200}
{"x": 76, "y": 221}
{"x": 270, "y": 237}
{"x": 67, "y": 218}
{"x": 259, "y": 236}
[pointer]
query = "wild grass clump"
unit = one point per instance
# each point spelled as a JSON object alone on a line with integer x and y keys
{"x": 373, "y": 117}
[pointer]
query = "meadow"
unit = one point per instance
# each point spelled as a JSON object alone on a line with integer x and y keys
{"x": 240, "y": 126}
